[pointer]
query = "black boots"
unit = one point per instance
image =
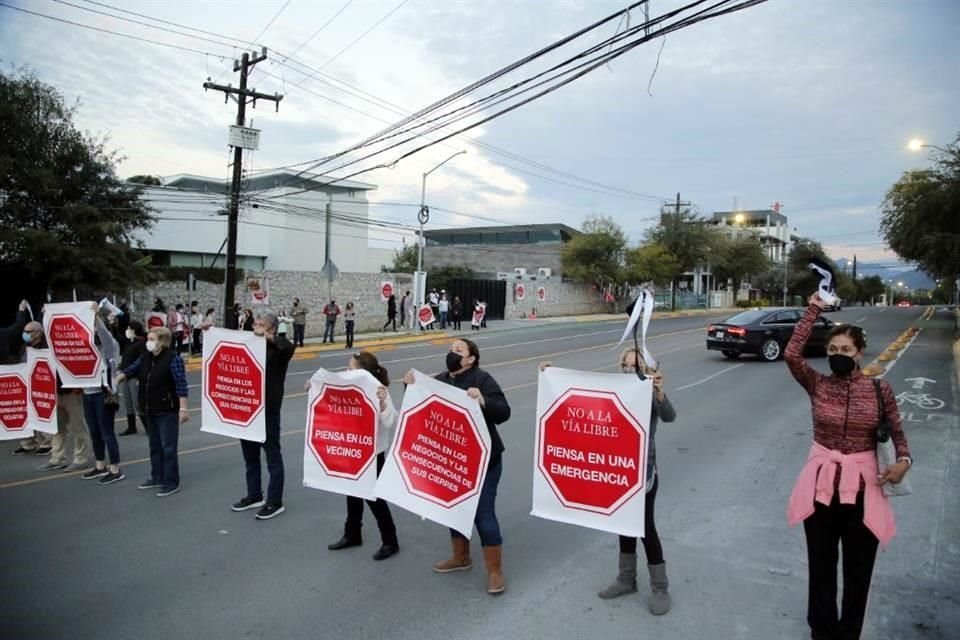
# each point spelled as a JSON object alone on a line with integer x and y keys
{"x": 131, "y": 425}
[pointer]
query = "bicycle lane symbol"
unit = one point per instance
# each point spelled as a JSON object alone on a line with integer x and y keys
{"x": 921, "y": 400}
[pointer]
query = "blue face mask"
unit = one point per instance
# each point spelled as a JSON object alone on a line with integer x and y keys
{"x": 27, "y": 338}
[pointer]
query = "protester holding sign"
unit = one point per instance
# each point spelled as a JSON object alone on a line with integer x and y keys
{"x": 163, "y": 385}
{"x": 100, "y": 408}
{"x": 838, "y": 494}
{"x": 279, "y": 352}
{"x": 631, "y": 361}
{"x": 130, "y": 397}
{"x": 386, "y": 421}
{"x": 38, "y": 442}
{"x": 464, "y": 372}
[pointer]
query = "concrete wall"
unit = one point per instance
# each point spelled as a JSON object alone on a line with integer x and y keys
{"x": 363, "y": 289}
{"x": 562, "y": 299}
{"x": 491, "y": 259}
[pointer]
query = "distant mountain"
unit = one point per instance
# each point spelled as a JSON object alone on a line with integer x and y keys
{"x": 908, "y": 275}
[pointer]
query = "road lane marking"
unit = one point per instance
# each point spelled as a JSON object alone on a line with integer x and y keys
{"x": 859, "y": 320}
{"x": 710, "y": 377}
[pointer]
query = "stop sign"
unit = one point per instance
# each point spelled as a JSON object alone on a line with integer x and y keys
{"x": 13, "y": 402}
{"x": 439, "y": 453}
{"x": 72, "y": 344}
{"x": 343, "y": 424}
{"x": 233, "y": 383}
{"x": 43, "y": 390}
{"x": 426, "y": 314}
{"x": 386, "y": 290}
{"x": 590, "y": 448}
{"x": 521, "y": 292}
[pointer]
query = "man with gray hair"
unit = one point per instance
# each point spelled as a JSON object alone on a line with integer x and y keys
{"x": 279, "y": 352}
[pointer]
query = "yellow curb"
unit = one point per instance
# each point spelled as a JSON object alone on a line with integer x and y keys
{"x": 886, "y": 356}
{"x": 896, "y": 346}
{"x": 873, "y": 369}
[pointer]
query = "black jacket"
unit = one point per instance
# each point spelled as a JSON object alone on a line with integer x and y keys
{"x": 158, "y": 393}
{"x": 496, "y": 411}
{"x": 132, "y": 352}
{"x": 11, "y": 344}
{"x": 279, "y": 352}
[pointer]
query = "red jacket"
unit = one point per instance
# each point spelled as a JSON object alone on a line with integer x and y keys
{"x": 845, "y": 411}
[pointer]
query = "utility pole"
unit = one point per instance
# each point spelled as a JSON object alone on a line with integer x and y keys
{"x": 241, "y": 95}
{"x": 663, "y": 218}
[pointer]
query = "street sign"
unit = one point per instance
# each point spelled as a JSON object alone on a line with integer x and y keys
{"x": 244, "y": 137}
{"x": 329, "y": 270}
{"x": 13, "y": 401}
{"x": 343, "y": 429}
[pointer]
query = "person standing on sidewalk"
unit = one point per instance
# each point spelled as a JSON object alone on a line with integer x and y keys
{"x": 349, "y": 321}
{"x": 391, "y": 312}
{"x": 404, "y": 309}
{"x": 163, "y": 384}
{"x": 330, "y": 312}
{"x": 13, "y": 339}
{"x": 129, "y": 400}
{"x": 196, "y": 326}
{"x": 386, "y": 421}
{"x": 658, "y": 602}
{"x": 457, "y": 311}
{"x": 99, "y": 411}
{"x": 463, "y": 371}
{"x": 838, "y": 494}
{"x": 299, "y": 314}
{"x": 444, "y": 306}
{"x": 279, "y": 352}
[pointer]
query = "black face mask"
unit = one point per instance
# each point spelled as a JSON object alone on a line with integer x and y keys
{"x": 454, "y": 361}
{"x": 842, "y": 365}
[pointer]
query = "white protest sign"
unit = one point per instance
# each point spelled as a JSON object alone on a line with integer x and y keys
{"x": 69, "y": 327}
{"x": 42, "y": 385}
{"x": 438, "y": 461}
{"x": 341, "y": 439}
{"x": 590, "y": 449}
{"x": 14, "y": 398}
{"x": 234, "y": 384}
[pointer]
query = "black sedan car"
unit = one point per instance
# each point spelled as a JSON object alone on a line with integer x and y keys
{"x": 764, "y": 332}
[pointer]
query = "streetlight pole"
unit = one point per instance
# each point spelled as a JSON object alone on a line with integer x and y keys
{"x": 423, "y": 217}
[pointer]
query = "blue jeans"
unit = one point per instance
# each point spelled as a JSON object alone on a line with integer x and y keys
{"x": 328, "y": 330}
{"x": 99, "y": 419}
{"x": 486, "y": 518}
{"x": 251, "y": 456}
{"x": 443, "y": 319}
{"x": 163, "y": 429}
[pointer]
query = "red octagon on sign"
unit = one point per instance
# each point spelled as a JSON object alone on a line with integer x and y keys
{"x": 439, "y": 452}
{"x": 542, "y": 294}
{"x": 521, "y": 292}
{"x": 426, "y": 314}
{"x": 343, "y": 426}
{"x": 386, "y": 291}
{"x": 233, "y": 383}
{"x": 590, "y": 448}
{"x": 72, "y": 345}
{"x": 43, "y": 390}
{"x": 13, "y": 402}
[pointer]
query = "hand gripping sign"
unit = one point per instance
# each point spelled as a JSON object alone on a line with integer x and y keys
{"x": 14, "y": 399}
{"x": 234, "y": 384}
{"x": 590, "y": 450}
{"x": 426, "y": 316}
{"x": 340, "y": 445}
{"x": 42, "y": 386}
{"x": 69, "y": 327}
{"x": 439, "y": 456}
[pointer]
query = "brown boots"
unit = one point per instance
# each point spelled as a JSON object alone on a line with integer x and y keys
{"x": 460, "y": 561}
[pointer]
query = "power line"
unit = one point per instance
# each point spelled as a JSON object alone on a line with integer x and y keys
{"x": 317, "y": 32}
{"x": 260, "y": 35}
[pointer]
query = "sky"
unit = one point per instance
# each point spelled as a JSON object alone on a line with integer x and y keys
{"x": 809, "y": 103}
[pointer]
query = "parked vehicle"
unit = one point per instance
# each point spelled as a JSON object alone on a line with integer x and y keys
{"x": 763, "y": 332}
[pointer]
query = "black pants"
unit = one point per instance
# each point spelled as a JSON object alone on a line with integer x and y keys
{"x": 197, "y": 341}
{"x": 456, "y": 322}
{"x": 651, "y": 539}
{"x": 251, "y": 457}
{"x": 826, "y": 529}
{"x": 348, "y": 325}
{"x": 390, "y": 319}
{"x": 388, "y": 530}
{"x": 298, "y": 334}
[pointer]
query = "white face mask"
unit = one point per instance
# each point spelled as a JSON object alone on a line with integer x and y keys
{"x": 131, "y": 334}
{"x": 152, "y": 346}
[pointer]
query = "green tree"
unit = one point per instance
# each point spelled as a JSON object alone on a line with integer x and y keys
{"x": 688, "y": 238}
{"x": 870, "y": 288}
{"x": 920, "y": 216}
{"x": 650, "y": 262}
{"x": 596, "y": 255}
{"x": 150, "y": 181}
{"x": 404, "y": 260}
{"x": 802, "y": 281}
{"x": 66, "y": 220}
{"x": 738, "y": 258}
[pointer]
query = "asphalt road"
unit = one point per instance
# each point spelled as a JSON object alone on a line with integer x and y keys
{"x": 84, "y": 561}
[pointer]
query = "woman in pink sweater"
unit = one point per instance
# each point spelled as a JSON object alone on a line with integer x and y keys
{"x": 838, "y": 494}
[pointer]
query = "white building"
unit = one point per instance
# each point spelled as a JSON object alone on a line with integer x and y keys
{"x": 768, "y": 225}
{"x": 283, "y": 223}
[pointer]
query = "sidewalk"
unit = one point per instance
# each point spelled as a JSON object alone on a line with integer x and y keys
{"x": 390, "y": 338}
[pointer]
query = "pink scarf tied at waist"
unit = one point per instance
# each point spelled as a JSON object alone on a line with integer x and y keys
{"x": 816, "y": 484}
